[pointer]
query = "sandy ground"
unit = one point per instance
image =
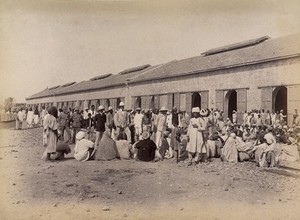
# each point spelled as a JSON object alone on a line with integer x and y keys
{"x": 33, "y": 189}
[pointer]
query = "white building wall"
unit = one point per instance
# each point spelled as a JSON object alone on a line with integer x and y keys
{"x": 285, "y": 72}
{"x": 251, "y": 77}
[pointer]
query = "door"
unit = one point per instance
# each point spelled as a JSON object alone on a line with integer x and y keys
{"x": 188, "y": 102}
{"x": 266, "y": 98}
{"x": 293, "y": 97}
{"x": 204, "y": 99}
{"x": 220, "y": 100}
{"x": 241, "y": 104}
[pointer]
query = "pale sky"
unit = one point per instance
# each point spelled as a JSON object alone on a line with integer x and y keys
{"x": 48, "y": 43}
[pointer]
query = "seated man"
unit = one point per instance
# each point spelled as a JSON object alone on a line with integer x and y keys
{"x": 145, "y": 148}
{"x": 62, "y": 148}
{"x": 265, "y": 153}
{"x": 84, "y": 148}
{"x": 219, "y": 142}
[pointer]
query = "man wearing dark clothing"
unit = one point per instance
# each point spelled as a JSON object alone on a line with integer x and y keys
{"x": 89, "y": 125}
{"x": 175, "y": 121}
{"x": 145, "y": 148}
{"x": 175, "y": 134}
{"x": 99, "y": 124}
{"x": 64, "y": 124}
{"x": 77, "y": 122}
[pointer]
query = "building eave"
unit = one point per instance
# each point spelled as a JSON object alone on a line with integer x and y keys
{"x": 216, "y": 68}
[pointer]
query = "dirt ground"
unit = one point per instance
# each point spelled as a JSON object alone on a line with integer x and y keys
{"x": 34, "y": 189}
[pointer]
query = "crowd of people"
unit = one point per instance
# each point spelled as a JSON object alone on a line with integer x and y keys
{"x": 153, "y": 135}
{"x": 27, "y": 118}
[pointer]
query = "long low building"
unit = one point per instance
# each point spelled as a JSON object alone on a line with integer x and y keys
{"x": 262, "y": 73}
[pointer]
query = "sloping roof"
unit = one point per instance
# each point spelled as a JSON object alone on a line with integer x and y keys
{"x": 111, "y": 81}
{"x": 45, "y": 93}
{"x": 49, "y": 91}
{"x": 267, "y": 50}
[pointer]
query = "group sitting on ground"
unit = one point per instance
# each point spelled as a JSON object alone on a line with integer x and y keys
{"x": 153, "y": 135}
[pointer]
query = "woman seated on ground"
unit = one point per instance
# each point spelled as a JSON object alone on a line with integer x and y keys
{"x": 244, "y": 149}
{"x": 289, "y": 152}
{"x": 229, "y": 151}
{"x": 107, "y": 149}
{"x": 62, "y": 148}
{"x": 124, "y": 147}
{"x": 84, "y": 148}
{"x": 146, "y": 148}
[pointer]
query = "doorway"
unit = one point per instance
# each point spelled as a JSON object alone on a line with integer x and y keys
{"x": 231, "y": 100}
{"x": 196, "y": 100}
{"x": 280, "y": 99}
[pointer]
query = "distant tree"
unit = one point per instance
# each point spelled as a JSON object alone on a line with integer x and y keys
{"x": 8, "y": 103}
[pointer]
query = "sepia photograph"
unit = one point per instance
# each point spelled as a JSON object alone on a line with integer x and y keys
{"x": 140, "y": 109}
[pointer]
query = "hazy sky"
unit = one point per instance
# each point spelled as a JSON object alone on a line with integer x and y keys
{"x": 48, "y": 43}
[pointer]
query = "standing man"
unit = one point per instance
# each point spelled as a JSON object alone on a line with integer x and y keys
{"x": 138, "y": 119}
{"x": 121, "y": 120}
{"x": 296, "y": 118}
{"x": 64, "y": 123}
{"x": 204, "y": 124}
{"x": 85, "y": 115}
{"x": 77, "y": 121}
{"x": 185, "y": 120}
{"x": 175, "y": 134}
{"x": 259, "y": 121}
{"x": 19, "y": 120}
{"x": 146, "y": 121}
{"x": 282, "y": 117}
{"x": 153, "y": 121}
{"x": 253, "y": 120}
{"x": 161, "y": 125}
{"x": 43, "y": 113}
{"x": 263, "y": 117}
{"x": 100, "y": 120}
{"x": 109, "y": 118}
{"x": 24, "y": 112}
{"x": 93, "y": 111}
{"x": 234, "y": 117}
